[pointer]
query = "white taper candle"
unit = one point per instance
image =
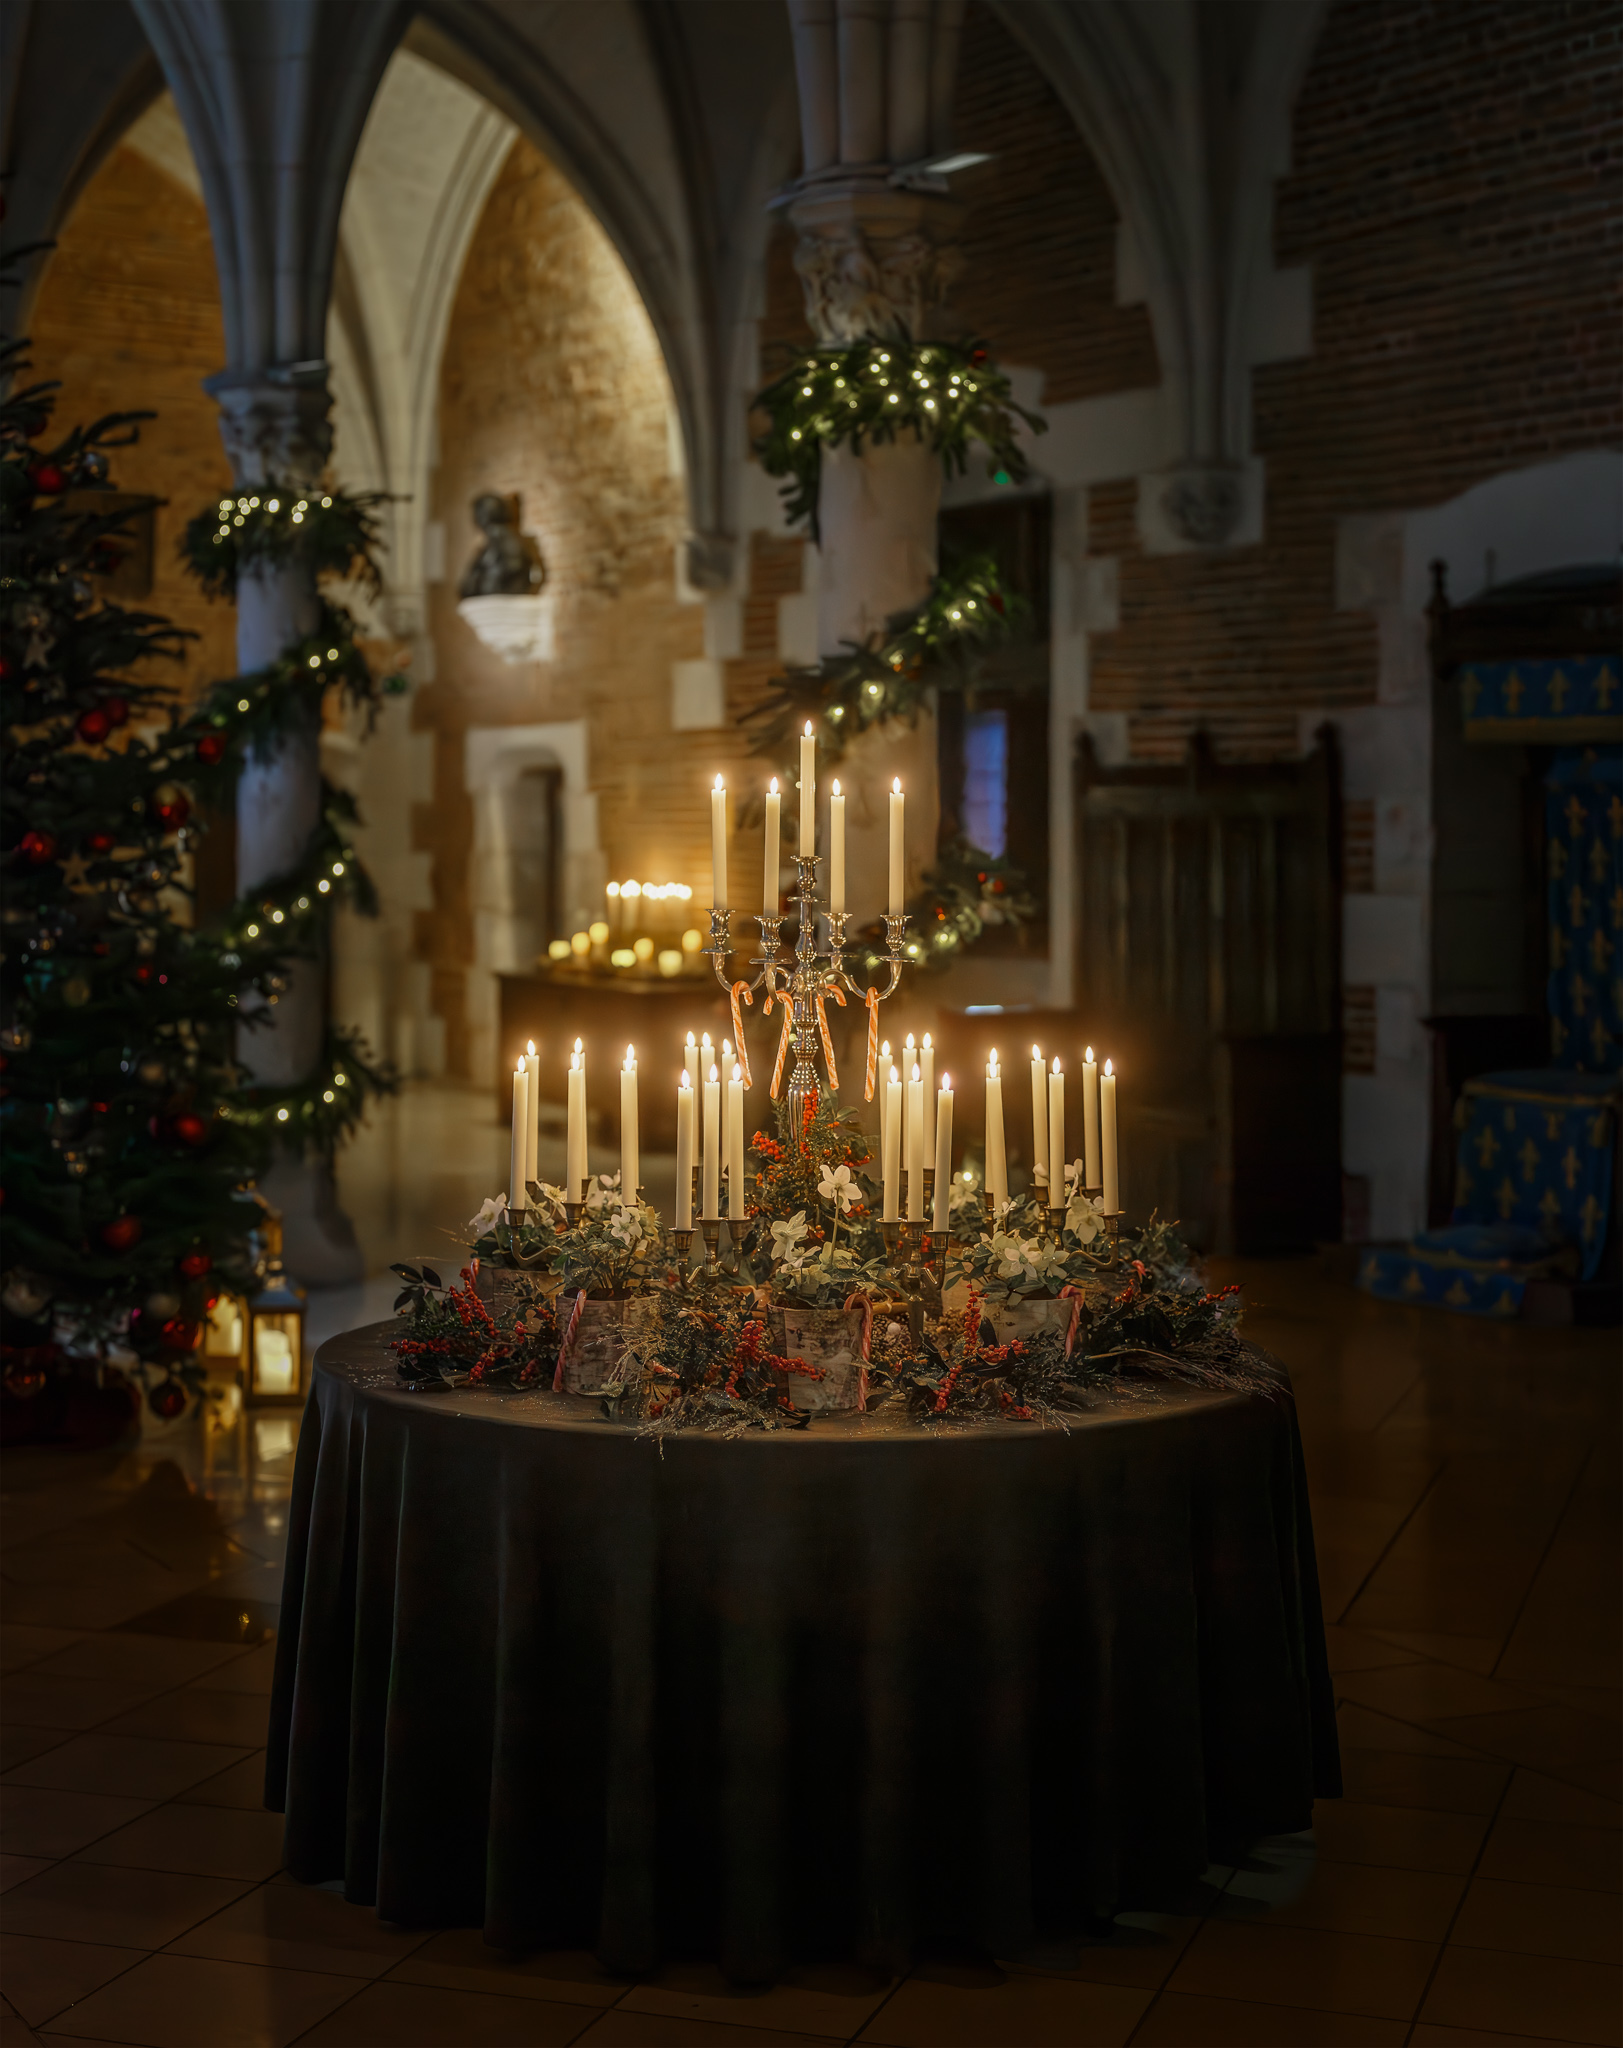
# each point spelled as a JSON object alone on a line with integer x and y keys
{"x": 942, "y": 1206}
{"x": 898, "y": 850}
{"x": 808, "y": 791}
{"x": 630, "y": 1159}
{"x": 914, "y": 1141}
{"x": 892, "y": 1147}
{"x": 836, "y": 848}
{"x": 515, "y": 1162}
{"x": 997, "y": 1158}
{"x": 718, "y": 844}
{"x": 684, "y": 1153}
{"x": 769, "y": 862}
{"x": 1107, "y": 1141}
{"x": 1090, "y": 1119}
{"x": 710, "y": 1178}
{"x": 1056, "y": 1137}
{"x": 1039, "y": 1117}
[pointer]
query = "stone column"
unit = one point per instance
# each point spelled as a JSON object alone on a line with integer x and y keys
{"x": 275, "y": 430}
{"x": 876, "y": 255}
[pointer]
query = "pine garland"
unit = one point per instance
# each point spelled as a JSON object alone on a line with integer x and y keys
{"x": 871, "y": 392}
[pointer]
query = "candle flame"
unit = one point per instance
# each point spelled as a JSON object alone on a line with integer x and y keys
{"x": 686, "y": 1083}
{"x": 726, "y": 1049}
{"x": 1056, "y": 1063}
{"x": 885, "y": 1049}
{"x": 714, "y": 1076}
{"x": 836, "y": 785}
{"x": 1088, "y": 1056}
{"x": 915, "y": 1070}
{"x": 808, "y": 729}
{"x": 772, "y": 787}
{"x": 614, "y": 888}
{"x": 519, "y": 1068}
{"x": 1108, "y": 1068}
{"x": 896, "y": 785}
{"x": 631, "y": 1059}
{"x": 1036, "y": 1052}
{"x": 908, "y": 1041}
{"x": 946, "y": 1084}
{"x": 927, "y": 1038}
{"x": 738, "y": 1074}
{"x": 895, "y": 1078}
{"x": 529, "y": 1047}
{"x": 690, "y": 1038}
{"x": 991, "y": 1065}
{"x": 719, "y": 783}
{"x": 578, "y": 1047}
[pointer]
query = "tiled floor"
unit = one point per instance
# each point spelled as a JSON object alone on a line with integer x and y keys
{"x": 1465, "y": 1891}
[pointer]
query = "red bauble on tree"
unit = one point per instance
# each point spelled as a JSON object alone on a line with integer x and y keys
{"x": 100, "y": 842}
{"x": 211, "y": 748}
{"x": 194, "y": 1265}
{"x": 94, "y": 727}
{"x": 47, "y": 478}
{"x": 170, "y": 806}
{"x": 189, "y": 1127}
{"x": 122, "y": 1234}
{"x": 118, "y": 712}
{"x": 38, "y": 847}
{"x": 167, "y": 1399}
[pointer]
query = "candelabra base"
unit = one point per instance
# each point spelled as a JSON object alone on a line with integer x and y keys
{"x": 710, "y": 1230}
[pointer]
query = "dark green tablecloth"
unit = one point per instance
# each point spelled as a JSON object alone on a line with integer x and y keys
{"x": 859, "y": 1690}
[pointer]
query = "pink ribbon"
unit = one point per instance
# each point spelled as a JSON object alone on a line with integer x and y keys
{"x": 1074, "y": 1296}
{"x": 567, "y": 1345}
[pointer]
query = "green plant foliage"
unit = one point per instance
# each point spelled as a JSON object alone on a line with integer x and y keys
{"x": 456, "y": 1341}
{"x": 710, "y": 1366}
{"x": 965, "y": 892}
{"x": 332, "y": 533}
{"x": 871, "y": 392}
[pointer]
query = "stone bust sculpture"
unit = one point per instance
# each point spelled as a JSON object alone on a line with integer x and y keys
{"x": 509, "y": 564}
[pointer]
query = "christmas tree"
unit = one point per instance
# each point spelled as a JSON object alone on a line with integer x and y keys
{"x": 130, "y": 1142}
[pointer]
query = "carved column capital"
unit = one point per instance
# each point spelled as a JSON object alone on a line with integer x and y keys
{"x": 876, "y": 261}
{"x": 274, "y": 422}
{"x": 1203, "y": 502}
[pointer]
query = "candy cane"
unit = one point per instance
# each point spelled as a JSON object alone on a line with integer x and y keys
{"x": 1074, "y": 1296}
{"x": 872, "y": 996}
{"x": 863, "y": 1302}
{"x": 783, "y": 1048}
{"x": 741, "y": 988}
{"x": 822, "y": 1026}
{"x": 568, "y": 1342}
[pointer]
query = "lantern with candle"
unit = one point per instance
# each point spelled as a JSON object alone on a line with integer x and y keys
{"x": 274, "y": 1365}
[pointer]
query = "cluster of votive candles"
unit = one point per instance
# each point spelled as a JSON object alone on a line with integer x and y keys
{"x": 771, "y": 859}
{"x": 915, "y": 1125}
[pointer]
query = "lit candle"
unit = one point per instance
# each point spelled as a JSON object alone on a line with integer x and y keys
{"x": 630, "y": 1164}
{"x": 1056, "y": 1137}
{"x": 836, "y": 848}
{"x": 884, "y": 1094}
{"x": 942, "y": 1208}
{"x": 898, "y": 850}
{"x": 532, "y": 1120}
{"x": 684, "y": 1153}
{"x": 997, "y": 1158}
{"x": 1039, "y": 1117}
{"x": 515, "y": 1168}
{"x": 808, "y": 791}
{"x": 915, "y": 1147}
{"x": 711, "y": 1176}
{"x": 718, "y": 844}
{"x": 736, "y": 1192}
{"x": 891, "y": 1147}
{"x": 927, "y": 1074}
{"x": 1090, "y": 1119}
{"x": 630, "y": 905}
{"x": 575, "y": 1141}
{"x": 1107, "y": 1140}
{"x": 611, "y": 916}
{"x": 769, "y": 865}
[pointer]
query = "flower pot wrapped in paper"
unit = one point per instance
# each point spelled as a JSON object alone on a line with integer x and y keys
{"x": 1028, "y": 1281}
{"x": 822, "y": 1312}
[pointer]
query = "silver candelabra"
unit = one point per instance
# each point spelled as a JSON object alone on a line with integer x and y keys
{"x": 812, "y": 974}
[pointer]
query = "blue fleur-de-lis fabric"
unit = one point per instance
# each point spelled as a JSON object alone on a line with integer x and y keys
{"x": 1584, "y": 864}
{"x": 1581, "y": 692}
{"x": 1438, "y": 1279}
{"x": 1536, "y": 1151}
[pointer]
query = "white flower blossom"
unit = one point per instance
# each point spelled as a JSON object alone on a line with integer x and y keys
{"x": 490, "y": 1213}
{"x": 837, "y": 1187}
{"x": 1084, "y": 1219}
{"x": 787, "y": 1237}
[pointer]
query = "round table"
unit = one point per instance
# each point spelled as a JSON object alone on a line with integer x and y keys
{"x": 863, "y": 1690}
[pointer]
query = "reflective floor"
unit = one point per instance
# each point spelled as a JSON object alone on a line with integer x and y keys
{"x": 1465, "y": 1485}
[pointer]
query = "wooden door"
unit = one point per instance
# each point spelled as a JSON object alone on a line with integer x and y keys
{"x": 1208, "y": 958}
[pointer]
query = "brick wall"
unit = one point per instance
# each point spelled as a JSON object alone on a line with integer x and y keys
{"x": 1455, "y": 182}
{"x": 128, "y": 317}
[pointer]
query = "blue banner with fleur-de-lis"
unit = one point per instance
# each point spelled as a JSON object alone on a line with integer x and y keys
{"x": 1584, "y": 866}
{"x": 1536, "y": 1150}
{"x": 1573, "y": 699}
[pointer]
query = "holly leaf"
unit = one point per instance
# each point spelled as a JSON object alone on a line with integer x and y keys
{"x": 406, "y": 1272}
{"x": 432, "y": 1277}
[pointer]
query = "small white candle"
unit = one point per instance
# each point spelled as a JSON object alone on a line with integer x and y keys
{"x": 684, "y": 1153}
{"x": 927, "y": 1074}
{"x": 736, "y": 1191}
{"x": 711, "y": 1176}
{"x": 942, "y": 1206}
{"x": 1039, "y": 1117}
{"x": 515, "y": 1165}
{"x": 575, "y": 1140}
{"x": 1107, "y": 1141}
{"x": 915, "y": 1147}
{"x": 898, "y": 850}
{"x": 718, "y": 844}
{"x": 808, "y": 791}
{"x": 997, "y": 1158}
{"x": 630, "y": 1163}
{"x": 532, "y": 1121}
{"x": 630, "y": 906}
{"x": 884, "y": 1095}
{"x": 769, "y": 863}
{"x": 836, "y": 848}
{"x": 892, "y": 1147}
{"x": 1090, "y": 1119}
{"x": 1056, "y": 1136}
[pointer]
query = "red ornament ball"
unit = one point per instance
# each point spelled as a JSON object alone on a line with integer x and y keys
{"x": 189, "y": 1127}
{"x": 122, "y": 1234}
{"x": 23, "y": 1382}
{"x": 211, "y": 748}
{"x": 170, "y": 807}
{"x": 100, "y": 842}
{"x": 143, "y": 974}
{"x": 39, "y": 847}
{"x": 168, "y": 1399}
{"x": 118, "y": 712}
{"x": 195, "y": 1265}
{"x": 94, "y": 727}
{"x": 47, "y": 479}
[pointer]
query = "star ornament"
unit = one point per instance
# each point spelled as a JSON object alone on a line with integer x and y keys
{"x": 76, "y": 872}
